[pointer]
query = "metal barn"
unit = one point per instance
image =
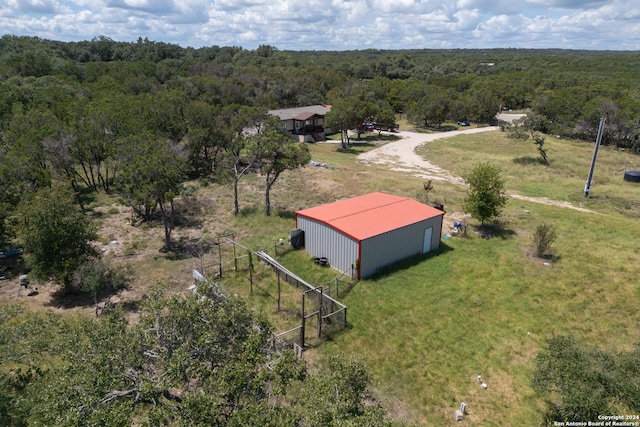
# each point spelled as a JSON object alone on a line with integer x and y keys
{"x": 365, "y": 233}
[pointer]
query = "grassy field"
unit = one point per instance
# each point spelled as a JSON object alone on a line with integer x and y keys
{"x": 481, "y": 306}
{"x": 484, "y": 306}
{"x": 563, "y": 179}
{"x": 429, "y": 326}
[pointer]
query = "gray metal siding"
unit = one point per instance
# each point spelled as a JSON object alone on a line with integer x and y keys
{"x": 385, "y": 249}
{"x": 322, "y": 240}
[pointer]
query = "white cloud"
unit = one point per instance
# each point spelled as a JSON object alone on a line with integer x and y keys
{"x": 335, "y": 24}
{"x": 156, "y": 7}
{"x": 45, "y": 7}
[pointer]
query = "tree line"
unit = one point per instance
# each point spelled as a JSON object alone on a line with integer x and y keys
{"x": 138, "y": 119}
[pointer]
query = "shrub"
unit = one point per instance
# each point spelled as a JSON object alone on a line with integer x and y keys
{"x": 543, "y": 238}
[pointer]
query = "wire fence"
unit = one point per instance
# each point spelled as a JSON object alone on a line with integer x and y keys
{"x": 338, "y": 287}
{"x": 330, "y": 315}
{"x": 320, "y": 313}
{"x": 283, "y": 341}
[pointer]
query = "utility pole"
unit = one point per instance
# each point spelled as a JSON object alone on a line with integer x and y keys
{"x": 587, "y": 186}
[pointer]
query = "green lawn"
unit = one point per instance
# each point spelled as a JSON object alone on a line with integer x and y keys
{"x": 564, "y": 179}
{"x": 483, "y": 307}
{"x": 428, "y": 327}
{"x": 480, "y": 306}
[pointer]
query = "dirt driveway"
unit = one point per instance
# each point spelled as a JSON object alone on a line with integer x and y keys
{"x": 401, "y": 156}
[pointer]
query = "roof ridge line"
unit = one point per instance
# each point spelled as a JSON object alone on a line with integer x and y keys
{"x": 369, "y": 209}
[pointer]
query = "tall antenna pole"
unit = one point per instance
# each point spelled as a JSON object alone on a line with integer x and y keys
{"x": 587, "y": 186}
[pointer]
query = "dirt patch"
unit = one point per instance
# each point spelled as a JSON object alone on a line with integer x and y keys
{"x": 547, "y": 201}
{"x": 119, "y": 242}
{"x": 398, "y": 410}
{"x": 450, "y": 219}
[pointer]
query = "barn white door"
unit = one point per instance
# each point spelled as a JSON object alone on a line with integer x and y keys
{"x": 426, "y": 245}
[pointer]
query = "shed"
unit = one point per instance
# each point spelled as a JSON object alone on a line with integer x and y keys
{"x": 368, "y": 232}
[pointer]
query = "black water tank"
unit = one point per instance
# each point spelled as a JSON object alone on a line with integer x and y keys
{"x": 632, "y": 176}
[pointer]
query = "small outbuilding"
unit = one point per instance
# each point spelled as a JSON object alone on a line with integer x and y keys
{"x": 365, "y": 233}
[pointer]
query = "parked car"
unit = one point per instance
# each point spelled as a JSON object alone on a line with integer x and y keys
{"x": 11, "y": 252}
{"x": 366, "y": 127}
{"x": 463, "y": 123}
{"x": 373, "y": 126}
{"x": 385, "y": 127}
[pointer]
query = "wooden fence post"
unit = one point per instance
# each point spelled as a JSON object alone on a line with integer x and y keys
{"x": 250, "y": 270}
{"x": 220, "y": 258}
{"x": 302, "y": 326}
{"x": 235, "y": 257}
{"x": 344, "y": 325}
{"x": 320, "y": 312}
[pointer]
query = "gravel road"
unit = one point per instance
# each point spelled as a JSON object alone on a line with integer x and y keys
{"x": 401, "y": 155}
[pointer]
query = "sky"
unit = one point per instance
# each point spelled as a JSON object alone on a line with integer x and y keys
{"x": 335, "y": 24}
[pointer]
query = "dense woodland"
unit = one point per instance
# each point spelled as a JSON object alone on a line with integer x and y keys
{"x": 87, "y": 112}
{"x": 139, "y": 119}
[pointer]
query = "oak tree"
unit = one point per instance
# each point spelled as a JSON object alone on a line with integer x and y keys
{"x": 151, "y": 178}
{"x": 277, "y": 152}
{"x": 56, "y": 235}
{"x": 486, "y": 194}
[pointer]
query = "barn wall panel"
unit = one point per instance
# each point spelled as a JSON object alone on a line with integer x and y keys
{"x": 385, "y": 249}
{"x": 323, "y": 241}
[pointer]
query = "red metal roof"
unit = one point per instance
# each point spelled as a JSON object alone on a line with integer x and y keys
{"x": 366, "y": 216}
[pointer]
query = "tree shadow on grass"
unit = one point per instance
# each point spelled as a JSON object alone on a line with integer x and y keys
{"x": 285, "y": 214}
{"x": 186, "y": 248}
{"x": 356, "y": 147}
{"x": 65, "y": 299}
{"x": 409, "y": 262}
{"x": 86, "y": 197}
{"x": 528, "y": 160}
{"x": 444, "y": 128}
{"x": 188, "y": 212}
{"x": 548, "y": 258}
{"x": 431, "y": 129}
{"x": 375, "y": 138}
{"x": 129, "y": 306}
{"x": 496, "y": 229}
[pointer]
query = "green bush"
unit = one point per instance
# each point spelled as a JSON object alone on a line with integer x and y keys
{"x": 543, "y": 238}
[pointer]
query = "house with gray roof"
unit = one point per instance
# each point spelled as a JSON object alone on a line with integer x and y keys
{"x": 304, "y": 123}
